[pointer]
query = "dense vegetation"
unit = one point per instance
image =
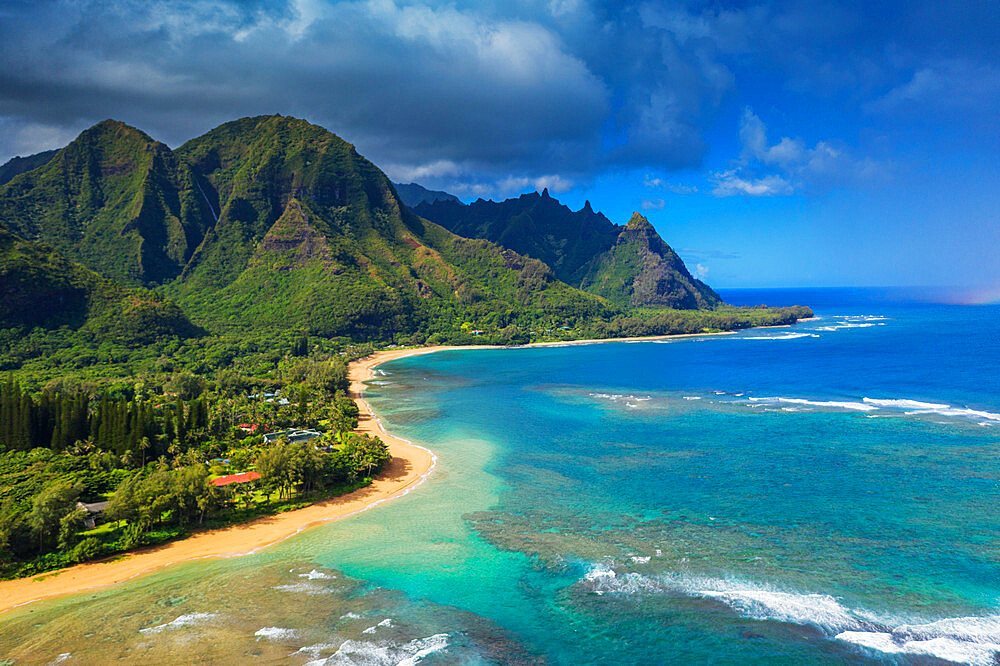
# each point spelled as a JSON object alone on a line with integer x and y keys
{"x": 152, "y": 451}
{"x": 41, "y": 289}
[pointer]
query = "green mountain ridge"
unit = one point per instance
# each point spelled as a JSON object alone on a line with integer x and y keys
{"x": 15, "y": 166}
{"x": 269, "y": 227}
{"x": 412, "y": 194}
{"x": 274, "y": 223}
{"x": 43, "y": 289}
{"x": 113, "y": 200}
{"x": 630, "y": 266}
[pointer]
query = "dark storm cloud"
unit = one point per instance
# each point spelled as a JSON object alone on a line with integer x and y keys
{"x": 464, "y": 93}
{"x": 423, "y": 90}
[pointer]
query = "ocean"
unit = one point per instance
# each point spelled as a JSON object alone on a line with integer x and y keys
{"x": 822, "y": 493}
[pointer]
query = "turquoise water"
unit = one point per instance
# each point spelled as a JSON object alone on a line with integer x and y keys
{"x": 823, "y": 493}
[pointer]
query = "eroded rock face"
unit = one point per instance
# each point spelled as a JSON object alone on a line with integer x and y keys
{"x": 293, "y": 238}
{"x": 663, "y": 279}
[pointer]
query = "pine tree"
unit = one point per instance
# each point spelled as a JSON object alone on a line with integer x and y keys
{"x": 22, "y": 438}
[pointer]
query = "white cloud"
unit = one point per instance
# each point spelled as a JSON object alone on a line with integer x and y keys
{"x": 508, "y": 187}
{"x": 404, "y": 173}
{"x": 766, "y": 169}
{"x": 660, "y": 184}
{"x": 28, "y": 138}
{"x": 731, "y": 183}
{"x": 553, "y": 182}
{"x": 653, "y": 204}
{"x": 701, "y": 271}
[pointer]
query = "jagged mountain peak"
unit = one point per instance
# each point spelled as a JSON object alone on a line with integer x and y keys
{"x": 637, "y": 221}
{"x": 629, "y": 265}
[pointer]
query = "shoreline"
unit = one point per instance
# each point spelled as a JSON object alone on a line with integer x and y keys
{"x": 410, "y": 466}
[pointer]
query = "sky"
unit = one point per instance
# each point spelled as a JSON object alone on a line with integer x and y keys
{"x": 772, "y": 144}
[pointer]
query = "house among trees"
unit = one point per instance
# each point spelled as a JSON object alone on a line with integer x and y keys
{"x": 292, "y": 435}
{"x": 94, "y": 511}
{"x": 270, "y": 397}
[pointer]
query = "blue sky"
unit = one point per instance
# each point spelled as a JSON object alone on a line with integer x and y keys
{"x": 771, "y": 143}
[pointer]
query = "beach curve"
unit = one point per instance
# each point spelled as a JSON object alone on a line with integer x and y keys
{"x": 411, "y": 464}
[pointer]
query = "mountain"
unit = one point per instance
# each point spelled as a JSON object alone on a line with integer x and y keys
{"x": 269, "y": 226}
{"x": 412, "y": 194}
{"x": 533, "y": 224}
{"x": 310, "y": 234}
{"x": 113, "y": 200}
{"x": 18, "y": 165}
{"x": 640, "y": 269}
{"x": 630, "y": 266}
{"x": 34, "y": 275}
{"x": 272, "y": 223}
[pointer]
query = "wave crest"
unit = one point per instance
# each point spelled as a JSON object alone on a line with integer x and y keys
{"x": 377, "y": 654}
{"x": 968, "y": 640}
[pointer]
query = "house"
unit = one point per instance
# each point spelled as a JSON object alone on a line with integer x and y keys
{"x": 245, "y": 477}
{"x": 294, "y": 435}
{"x": 248, "y": 427}
{"x": 94, "y": 510}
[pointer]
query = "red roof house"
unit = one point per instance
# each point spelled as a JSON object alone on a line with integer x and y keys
{"x": 235, "y": 478}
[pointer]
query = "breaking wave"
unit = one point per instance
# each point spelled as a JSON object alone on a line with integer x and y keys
{"x": 316, "y": 575}
{"x": 783, "y": 336}
{"x": 375, "y": 654}
{"x": 915, "y": 407}
{"x": 967, "y": 640}
{"x": 834, "y": 404}
{"x": 181, "y": 621}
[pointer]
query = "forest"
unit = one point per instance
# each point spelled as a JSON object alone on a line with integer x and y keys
{"x": 146, "y": 454}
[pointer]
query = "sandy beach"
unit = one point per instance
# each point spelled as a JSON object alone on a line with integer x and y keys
{"x": 410, "y": 465}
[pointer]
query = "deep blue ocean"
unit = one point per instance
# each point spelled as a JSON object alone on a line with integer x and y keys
{"x": 822, "y": 493}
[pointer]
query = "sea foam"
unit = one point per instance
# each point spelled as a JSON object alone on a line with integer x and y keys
{"x": 316, "y": 575}
{"x": 377, "y": 654}
{"x": 784, "y": 336}
{"x": 917, "y": 408}
{"x": 181, "y": 621}
{"x": 387, "y": 622}
{"x": 854, "y": 406}
{"x": 964, "y": 640}
{"x": 275, "y": 633}
{"x": 968, "y": 640}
